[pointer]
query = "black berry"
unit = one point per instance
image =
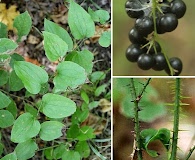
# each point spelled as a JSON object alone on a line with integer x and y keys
{"x": 168, "y": 22}
{"x": 133, "y": 52}
{"x": 144, "y": 25}
{"x": 145, "y": 61}
{"x": 176, "y": 64}
{"x": 136, "y": 37}
{"x": 178, "y": 7}
{"x": 133, "y": 9}
{"x": 160, "y": 62}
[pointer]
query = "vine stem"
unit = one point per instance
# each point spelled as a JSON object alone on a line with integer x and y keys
{"x": 136, "y": 121}
{"x": 190, "y": 153}
{"x": 176, "y": 120}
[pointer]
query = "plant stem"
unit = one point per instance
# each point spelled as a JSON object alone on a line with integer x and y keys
{"x": 176, "y": 120}
{"x": 136, "y": 121}
{"x": 190, "y": 153}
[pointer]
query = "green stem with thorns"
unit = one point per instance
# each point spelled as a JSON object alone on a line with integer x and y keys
{"x": 176, "y": 119}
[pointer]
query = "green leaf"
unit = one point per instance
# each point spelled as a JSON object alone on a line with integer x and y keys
{"x": 12, "y": 108}
{"x": 99, "y": 16}
{"x": 15, "y": 83}
{"x": 3, "y": 77}
{"x": 23, "y": 24}
{"x": 31, "y": 75}
{"x": 3, "y": 30}
{"x": 97, "y": 76}
{"x": 150, "y": 135}
{"x": 84, "y": 96}
{"x": 83, "y": 148}
{"x": 105, "y": 39}
{"x": 49, "y": 153}
{"x": 11, "y": 156}
{"x": 86, "y": 133}
{"x": 26, "y": 149}
{"x": 7, "y": 45}
{"x": 80, "y": 115}
{"x": 51, "y": 130}
{"x": 6, "y": 119}
{"x": 69, "y": 74}
{"x": 54, "y": 28}
{"x": 57, "y": 106}
{"x": 1, "y": 148}
{"x": 73, "y": 131}
{"x": 84, "y": 58}
{"x": 93, "y": 104}
{"x": 100, "y": 89}
{"x": 5, "y": 101}
{"x": 30, "y": 109}
{"x": 30, "y": 128}
{"x": 54, "y": 46}
{"x": 15, "y": 57}
{"x": 59, "y": 151}
{"x": 80, "y": 22}
{"x": 71, "y": 155}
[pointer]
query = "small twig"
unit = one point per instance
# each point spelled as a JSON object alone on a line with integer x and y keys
{"x": 190, "y": 153}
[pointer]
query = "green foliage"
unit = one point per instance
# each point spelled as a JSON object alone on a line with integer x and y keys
{"x": 105, "y": 39}
{"x": 23, "y": 28}
{"x": 45, "y": 109}
{"x": 80, "y": 22}
{"x": 31, "y": 75}
{"x": 54, "y": 46}
{"x": 150, "y": 135}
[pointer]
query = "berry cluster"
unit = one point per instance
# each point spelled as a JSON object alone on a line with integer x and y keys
{"x": 153, "y": 19}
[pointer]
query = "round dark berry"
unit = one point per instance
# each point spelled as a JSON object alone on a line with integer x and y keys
{"x": 145, "y": 61}
{"x": 133, "y": 9}
{"x": 136, "y": 37}
{"x": 133, "y": 52}
{"x": 144, "y": 25}
{"x": 160, "y": 62}
{"x": 158, "y": 27}
{"x": 157, "y": 46}
{"x": 178, "y": 7}
{"x": 168, "y": 22}
{"x": 176, "y": 64}
{"x": 165, "y": 7}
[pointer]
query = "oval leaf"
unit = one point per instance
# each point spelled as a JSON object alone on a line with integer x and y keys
{"x": 7, "y": 45}
{"x": 6, "y": 119}
{"x": 3, "y": 77}
{"x": 71, "y": 155}
{"x": 69, "y": 74}
{"x": 31, "y": 75}
{"x": 51, "y": 130}
{"x": 25, "y": 127}
{"x": 105, "y": 39}
{"x": 80, "y": 22}
{"x": 23, "y": 24}
{"x": 54, "y": 28}
{"x": 15, "y": 83}
{"x": 83, "y": 58}
{"x": 5, "y": 101}
{"x": 26, "y": 149}
{"x": 57, "y": 106}
{"x": 83, "y": 148}
{"x": 54, "y": 46}
{"x": 3, "y": 30}
{"x": 11, "y": 156}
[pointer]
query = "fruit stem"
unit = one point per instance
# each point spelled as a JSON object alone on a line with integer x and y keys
{"x": 176, "y": 120}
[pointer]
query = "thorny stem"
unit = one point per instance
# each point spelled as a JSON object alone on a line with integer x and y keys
{"x": 136, "y": 100}
{"x": 190, "y": 153}
{"x": 136, "y": 121}
{"x": 176, "y": 120}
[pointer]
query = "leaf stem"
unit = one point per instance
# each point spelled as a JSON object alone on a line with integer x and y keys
{"x": 176, "y": 120}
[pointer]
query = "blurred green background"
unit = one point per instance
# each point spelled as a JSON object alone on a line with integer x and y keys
{"x": 179, "y": 43}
